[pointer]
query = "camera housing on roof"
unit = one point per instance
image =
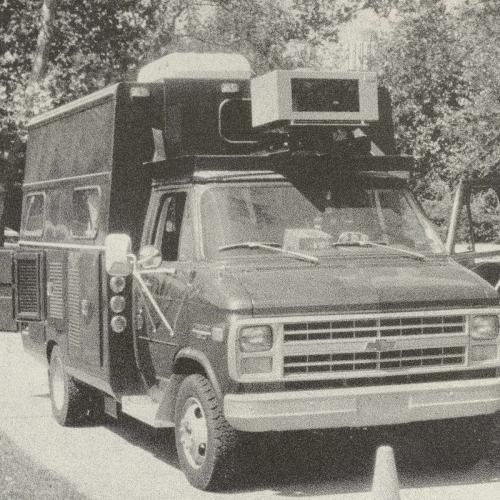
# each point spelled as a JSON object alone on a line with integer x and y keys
{"x": 307, "y": 97}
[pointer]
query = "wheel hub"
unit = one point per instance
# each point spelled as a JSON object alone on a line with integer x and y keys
{"x": 194, "y": 433}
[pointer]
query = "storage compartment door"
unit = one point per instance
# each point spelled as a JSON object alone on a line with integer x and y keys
{"x": 84, "y": 308}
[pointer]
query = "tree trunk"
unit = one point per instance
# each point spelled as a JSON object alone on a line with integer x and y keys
{"x": 41, "y": 57}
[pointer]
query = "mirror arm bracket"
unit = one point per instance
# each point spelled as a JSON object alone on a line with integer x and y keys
{"x": 145, "y": 290}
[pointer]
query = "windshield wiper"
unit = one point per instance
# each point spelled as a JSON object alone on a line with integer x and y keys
{"x": 273, "y": 247}
{"x": 416, "y": 255}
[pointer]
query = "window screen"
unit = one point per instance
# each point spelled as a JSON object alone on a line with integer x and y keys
{"x": 325, "y": 95}
{"x": 35, "y": 205}
{"x": 85, "y": 213}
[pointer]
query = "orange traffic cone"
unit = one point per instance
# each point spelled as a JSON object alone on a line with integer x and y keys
{"x": 385, "y": 477}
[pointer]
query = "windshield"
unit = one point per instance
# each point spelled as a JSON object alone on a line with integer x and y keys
{"x": 281, "y": 215}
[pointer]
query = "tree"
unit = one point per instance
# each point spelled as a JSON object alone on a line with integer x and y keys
{"x": 41, "y": 57}
{"x": 442, "y": 68}
{"x": 422, "y": 64}
{"x": 475, "y": 129}
{"x": 53, "y": 51}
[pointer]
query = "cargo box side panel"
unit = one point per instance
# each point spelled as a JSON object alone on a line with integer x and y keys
{"x": 75, "y": 144}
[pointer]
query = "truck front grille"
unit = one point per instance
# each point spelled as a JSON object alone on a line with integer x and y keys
{"x": 371, "y": 346}
{"x": 372, "y": 328}
{"x": 407, "y": 358}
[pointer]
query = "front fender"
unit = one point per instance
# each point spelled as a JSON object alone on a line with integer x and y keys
{"x": 188, "y": 353}
{"x": 186, "y": 362}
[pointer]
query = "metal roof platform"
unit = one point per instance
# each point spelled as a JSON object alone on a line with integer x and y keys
{"x": 207, "y": 168}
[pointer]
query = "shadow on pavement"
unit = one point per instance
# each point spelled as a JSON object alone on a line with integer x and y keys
{"x": 303, "y": 464}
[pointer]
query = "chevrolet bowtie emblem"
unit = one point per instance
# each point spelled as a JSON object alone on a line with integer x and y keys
{"x": 380, "y": 345}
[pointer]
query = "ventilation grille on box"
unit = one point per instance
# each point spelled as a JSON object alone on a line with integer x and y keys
{"x": 29, "y": 302}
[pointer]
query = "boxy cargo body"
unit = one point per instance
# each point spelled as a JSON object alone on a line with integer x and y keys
{"x": 268, "y": 290}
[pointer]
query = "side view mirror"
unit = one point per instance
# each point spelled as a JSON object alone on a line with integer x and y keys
{"x": 149, "y": 257}
{"x": 117, "y": 248}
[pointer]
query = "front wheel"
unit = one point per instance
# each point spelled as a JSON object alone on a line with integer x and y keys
{"x": 69, "y": 401}
{"x": 205, "y": 441}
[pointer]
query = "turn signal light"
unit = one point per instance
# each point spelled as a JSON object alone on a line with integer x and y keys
{"x": 117, "y": 284}
{"x": 118, "y": 323}
{"x": 117, "y": 303}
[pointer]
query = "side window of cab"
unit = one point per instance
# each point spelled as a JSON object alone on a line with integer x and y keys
{"x": 174, "y": 229}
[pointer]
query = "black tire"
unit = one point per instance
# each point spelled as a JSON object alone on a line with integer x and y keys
{"x": 70, "y": 402}
{"x": 206, "y": 443}
{"x": 459, "y": 443}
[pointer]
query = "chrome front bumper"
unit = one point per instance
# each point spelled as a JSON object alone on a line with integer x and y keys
{"x": 361, "y": 406}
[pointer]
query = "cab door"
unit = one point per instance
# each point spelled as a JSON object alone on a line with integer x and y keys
{"x": 473, "y": 237}
{"x": 169, "y": 230}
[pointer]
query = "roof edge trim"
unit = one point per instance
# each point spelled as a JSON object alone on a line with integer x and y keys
{"x": 109, "y": 91}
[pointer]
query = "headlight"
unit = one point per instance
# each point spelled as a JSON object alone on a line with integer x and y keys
{"x": 256, "y": 338}
{"x": 484, "y": 327}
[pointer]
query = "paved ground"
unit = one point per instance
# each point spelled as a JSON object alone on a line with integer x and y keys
{"x": 129, "y": 460}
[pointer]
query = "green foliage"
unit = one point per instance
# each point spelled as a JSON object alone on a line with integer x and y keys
{"x": 19, "y": 31}
{"x": 258, "y": 29}
{"x": 442, "y": 68}
{"x": 318, "y": 20}
{"x": 475, "y": 129}
{"x": 95, "y": 42}
{"x": 423, "y": 68}
{"x": 486, "y": 216}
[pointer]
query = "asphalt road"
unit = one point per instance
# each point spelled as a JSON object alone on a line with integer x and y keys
{"x": 129, "y": 460}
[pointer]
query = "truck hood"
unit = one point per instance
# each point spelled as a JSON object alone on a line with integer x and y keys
{"x": 363, "y": 287}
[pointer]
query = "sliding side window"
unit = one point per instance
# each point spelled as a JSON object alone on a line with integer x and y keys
{"x": 35, "y": 210}
{"x": 84, "y": 222}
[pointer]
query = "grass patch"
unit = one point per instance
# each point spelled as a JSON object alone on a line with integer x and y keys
{"x": 21, "y": 478}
